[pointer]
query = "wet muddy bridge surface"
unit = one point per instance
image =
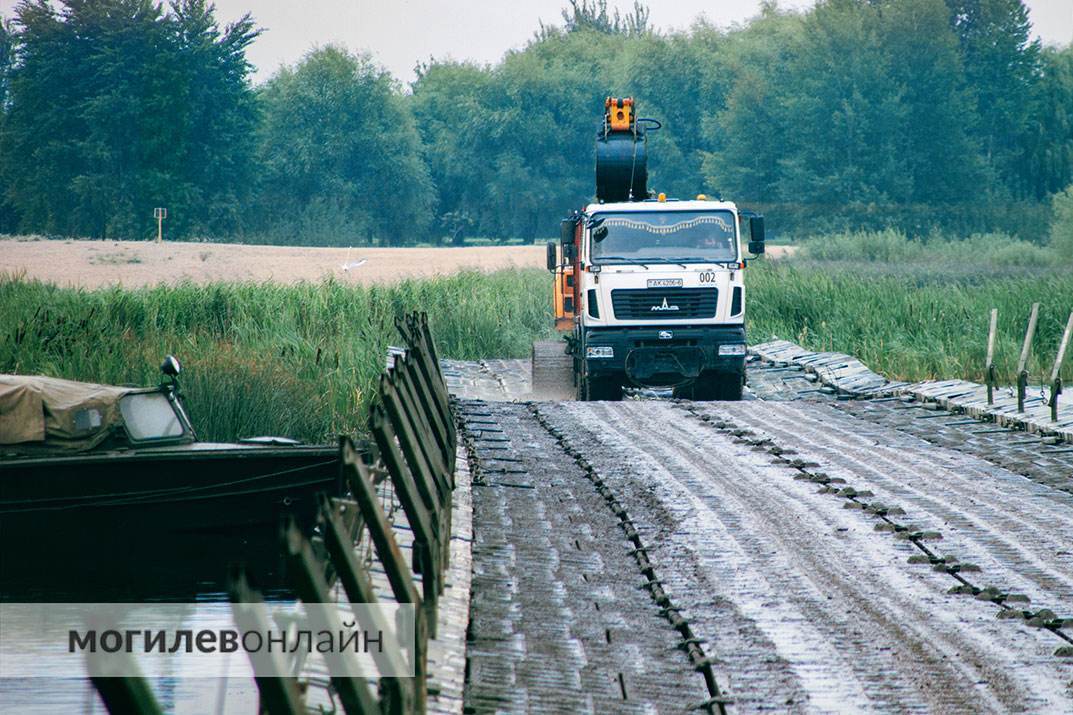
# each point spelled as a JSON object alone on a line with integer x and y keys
{"x": 796, "y": 551}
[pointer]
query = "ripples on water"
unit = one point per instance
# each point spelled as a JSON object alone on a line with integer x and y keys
{"x": 188, "y": 570}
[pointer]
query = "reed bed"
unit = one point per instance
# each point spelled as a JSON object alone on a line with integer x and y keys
{"x": 302, "y": 360}
{"x": 295, "y": 360}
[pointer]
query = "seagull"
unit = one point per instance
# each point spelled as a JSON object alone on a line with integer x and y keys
{"x": 352, "y": 264}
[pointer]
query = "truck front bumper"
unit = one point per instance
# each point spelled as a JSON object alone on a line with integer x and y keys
{"x": 663, "y": 356}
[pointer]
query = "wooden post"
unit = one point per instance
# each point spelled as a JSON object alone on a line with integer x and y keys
{"x": 1056, "y": 377}
{"x": 120, "y": 693}
{"x": 307, "y": 576}
{"x": 279, "y": 693}
{"x": 398, "y": 694}
{"x": 990, "y": 364}
{"x": 160, "y": 214}
{"x": 383, "y": 538}
{"x": 1022, "y": 363}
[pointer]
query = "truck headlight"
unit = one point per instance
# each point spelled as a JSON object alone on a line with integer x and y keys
{"x": 600, "y": 352}
{"x": 731, "y": 350}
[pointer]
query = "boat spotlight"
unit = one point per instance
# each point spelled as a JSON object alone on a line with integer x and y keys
{"x": 170, "y": 366}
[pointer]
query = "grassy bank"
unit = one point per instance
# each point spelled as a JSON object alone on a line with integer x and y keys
{"x": 295, "y": 360}
{"x": 911, "y": 324}
{"x": 302, "y": 360}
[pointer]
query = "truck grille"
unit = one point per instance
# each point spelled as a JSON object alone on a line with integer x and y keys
{"x": 664, "y": 303}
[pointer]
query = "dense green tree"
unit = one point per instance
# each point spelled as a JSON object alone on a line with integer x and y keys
{"x": 594, "y": 17}
{"x": 8, "y": 218}
{"x": 1001, "y": 63}
{"x": 851, "y": 113}
{"x": 933, "y": 141}
{"x": 1048, "y": 135}
{"x": 6, "y": 60}
{"x": 516, "y": 150}
{"x": 745, "y": 135}
{"x": 450, "y": 101}
{"x": 341, "y": 157}
{"x": 118, "y": 106}
{"x": 917, "y": 114}
{"x": 671, "y": 77}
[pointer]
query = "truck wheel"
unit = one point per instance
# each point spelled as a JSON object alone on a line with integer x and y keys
{"x": 710, "y": 386}
{"x": 727, "y": 386}
{"x": 599, "y": 389}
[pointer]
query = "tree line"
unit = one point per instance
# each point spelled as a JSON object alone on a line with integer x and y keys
{"x": 923, "y": 115}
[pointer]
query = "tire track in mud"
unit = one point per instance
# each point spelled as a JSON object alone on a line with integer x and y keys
{"x": 692, "y": 645}
{"x": 560, "y": 617}
{"x": 803, "y": 603}
{"x": 1000, "y": 521}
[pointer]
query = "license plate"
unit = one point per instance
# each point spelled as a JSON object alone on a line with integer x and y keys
{"x": 664, "y": 282}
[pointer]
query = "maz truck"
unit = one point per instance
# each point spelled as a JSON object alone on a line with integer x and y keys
{"x": 648, "y": 291}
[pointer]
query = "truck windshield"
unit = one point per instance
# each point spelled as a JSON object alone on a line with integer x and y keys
{"x": 665, "y": 237}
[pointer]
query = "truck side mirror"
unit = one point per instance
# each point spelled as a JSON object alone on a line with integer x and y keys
{"x": 756, "y": 235}
{"x": 566, "y": 230}
{"x": 569, "y": 252}
{"x": 553, "y": 256}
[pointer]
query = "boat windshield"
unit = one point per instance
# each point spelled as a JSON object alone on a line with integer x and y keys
{"x": 149, "y": 416}
{"x": 664, "y": 237}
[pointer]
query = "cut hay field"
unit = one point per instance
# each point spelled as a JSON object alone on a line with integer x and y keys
{"x": 93, "y": 264}
{"x": 132, "y": 264}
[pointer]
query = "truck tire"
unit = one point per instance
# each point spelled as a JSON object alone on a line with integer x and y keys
{"x": 599, "y": 389}
{"x": 709, "y": 386}
{"x": 728, "y": 387}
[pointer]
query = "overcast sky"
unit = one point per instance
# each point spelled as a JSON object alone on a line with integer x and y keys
{"x": 400, "y": 33}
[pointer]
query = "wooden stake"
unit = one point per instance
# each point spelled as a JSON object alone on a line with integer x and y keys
{"x": 160, "y": 214}
{"x": 989, "y": 366}
{"x": 1022, "y": 375}
{"x": 991, "y": 338}
{"x": 1062, "y": 349}
{"x": 1026, "y": 348}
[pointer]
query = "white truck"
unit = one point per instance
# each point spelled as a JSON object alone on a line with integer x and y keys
{"x": 649, "y": 292}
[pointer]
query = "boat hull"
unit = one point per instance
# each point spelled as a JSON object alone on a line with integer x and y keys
{"x": 200, "y": 488}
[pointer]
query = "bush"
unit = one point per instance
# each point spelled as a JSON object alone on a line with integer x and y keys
{"x": 993, "y": 251}
{"x": 297, "y": 361}
{"x": 872, "y": 246}
{"x": 1062, "y": 224}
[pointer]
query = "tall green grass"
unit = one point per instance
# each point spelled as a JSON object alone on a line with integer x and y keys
{"x": 895, "y": 252}
{"x": 910, "y": 324}
{"x": 300, "y": 361}
{"x": 303, "y": 360}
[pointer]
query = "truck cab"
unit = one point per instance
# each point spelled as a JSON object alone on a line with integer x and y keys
{"x": 658, "y": 295}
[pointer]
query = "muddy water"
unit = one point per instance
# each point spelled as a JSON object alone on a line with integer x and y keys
{"x": 188, "y": 572}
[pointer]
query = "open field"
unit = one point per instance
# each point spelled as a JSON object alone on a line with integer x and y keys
{"x": 92, "y": 264}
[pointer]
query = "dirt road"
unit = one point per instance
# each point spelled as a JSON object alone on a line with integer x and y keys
{"x": 824, "y": 559}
